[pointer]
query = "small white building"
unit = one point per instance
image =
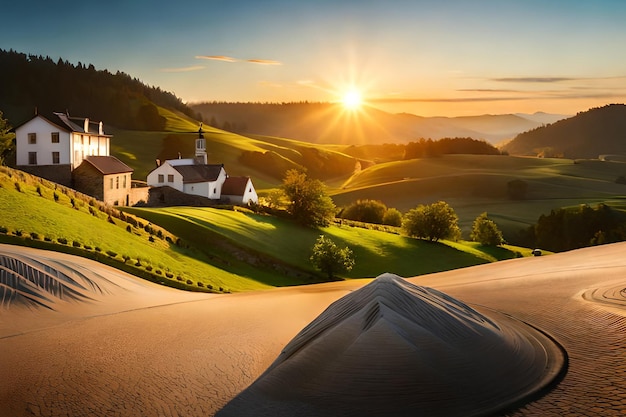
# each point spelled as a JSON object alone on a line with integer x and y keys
{"x": 194, "y": 176}
{"x": 239, "y": 190}
{"x": 189, "y": 177}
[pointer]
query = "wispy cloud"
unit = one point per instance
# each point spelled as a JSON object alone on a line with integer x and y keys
{"x": 183, "y": 69}
{"x": 511, "y": 96}
{"x": 534, "y": 79}
{"x": 225, "y": 58}
{"x": 264, "y": 62}
{"x": 217, "y": 58}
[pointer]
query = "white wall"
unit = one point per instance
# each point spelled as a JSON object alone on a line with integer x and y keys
{"x": 84, "y": 145}
{"x": 166, "y": 169}
{"x": 44, "y": 146}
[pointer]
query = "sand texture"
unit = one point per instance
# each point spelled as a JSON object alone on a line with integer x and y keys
{"x": 78, "y": 338}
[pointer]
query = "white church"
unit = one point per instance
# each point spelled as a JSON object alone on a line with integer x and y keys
{"x": 196, "y": 177}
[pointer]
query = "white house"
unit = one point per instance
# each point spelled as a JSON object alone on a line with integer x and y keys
{"x": 56, "y": 146}
{"x": 239, "y": 190}
{"x": 190, "y": 177}
{"x": 194, "y": 176}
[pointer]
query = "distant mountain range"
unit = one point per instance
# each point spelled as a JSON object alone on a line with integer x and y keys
{"x": 598, "y": 131}
{"x": 331, "y": 123}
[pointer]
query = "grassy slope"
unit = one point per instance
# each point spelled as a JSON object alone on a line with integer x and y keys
{"x": 376, "y": 252}
{"x": 27, "y": 212}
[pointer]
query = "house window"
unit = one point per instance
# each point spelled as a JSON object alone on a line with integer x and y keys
{"x": 161, "y": 178}
{"x": 124, "y": 181}
{"x": 111, "y": 182}
{"x": 32, "y": 158}
{"x": 117, "y": 182}
{"x": 56, "y": 158}
{"x": 55, "y": 137}
{"x": 215, "y": 191}
{"x": 32, "y": 138}
{"x": 170, "y": 178}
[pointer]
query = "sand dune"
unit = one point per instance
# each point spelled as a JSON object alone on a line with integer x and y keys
{"x": 118, "y": 345}
{"x": 395, "y": 348}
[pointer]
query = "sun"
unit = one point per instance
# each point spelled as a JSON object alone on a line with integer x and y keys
{"x": 352, "y": 100}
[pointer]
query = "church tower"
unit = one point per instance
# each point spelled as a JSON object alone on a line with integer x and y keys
{"x": 201, "y": 157}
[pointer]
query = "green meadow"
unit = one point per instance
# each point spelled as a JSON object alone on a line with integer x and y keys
{"x": 208, "y": 249}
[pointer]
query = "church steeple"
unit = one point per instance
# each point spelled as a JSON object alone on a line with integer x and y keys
{"x": 201, "y": 157}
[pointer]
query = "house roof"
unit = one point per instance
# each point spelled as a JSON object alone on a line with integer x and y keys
{"x": 235, "y": 186}
{"x": 199, "y": 172}
{"x": 108, "y": 164}
{"x": 69, "y": 123}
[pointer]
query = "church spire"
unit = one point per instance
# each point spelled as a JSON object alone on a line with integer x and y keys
{"x": 201, "y": 156}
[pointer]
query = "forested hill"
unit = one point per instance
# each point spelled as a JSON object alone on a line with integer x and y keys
{"x": 28, "y": 82}
{"x": 589, "y": 134}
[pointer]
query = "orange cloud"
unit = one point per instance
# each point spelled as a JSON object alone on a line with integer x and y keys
{"x": 184, "y": 69}
{"x": 217, "y": 58}
{"x": 264, "y": 62}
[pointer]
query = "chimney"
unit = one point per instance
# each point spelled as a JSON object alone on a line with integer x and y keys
{"x": 158, "y": 162}
{"x": 100, "y": 129}
{"x": 86, "y": 126}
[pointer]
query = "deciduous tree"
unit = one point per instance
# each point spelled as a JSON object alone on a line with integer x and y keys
{"x": 433, "y": 222}
{"x": 308, "y": 202}
{"x": 7, "y": 139}
{"x": 486, "y": 232}
{"x": 330, "y": 259}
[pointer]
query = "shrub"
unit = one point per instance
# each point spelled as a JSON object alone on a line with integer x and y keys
{"x": 179, "y": 278}
{"x": 148, "y": 267}
{"x": 158, "y": 272}
{"x": 18, "y": 187}
{"x": 200, "y": 284}
{"x": 47, "y": 239}
{"x": 18, "y": 232}
{"x": 126, "y": 258}
{"x": 111, "y": 253}
{"x": 76, "y": 244}
{"x": 169, "y": 275}
{"x": 56, "y": 196}
{"x": 3, "y": 230}
{"x": 73, "y": 202}
{"x": 98, "y": 249}
{"x": 88, "y": 247}
{"x": 128, "y": 228}
{"x": 34, "y": 235}
{"x": 189, "y": 282}
{"x": 367, "y": 211}
{"x": 62, "y": 240}
{"x": 150, "y": 238}
{"x": 39, "y": 190}
{"x": 392, "y": 217}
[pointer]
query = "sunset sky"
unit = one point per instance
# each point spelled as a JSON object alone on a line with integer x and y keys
{"x": 445, "y": 58}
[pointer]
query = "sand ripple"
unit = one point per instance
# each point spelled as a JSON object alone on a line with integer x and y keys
{"x": 394, "y": 348}
{"x": 27, "y": 281}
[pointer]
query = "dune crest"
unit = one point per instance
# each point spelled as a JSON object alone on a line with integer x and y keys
{"x": 394, "y": 348}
